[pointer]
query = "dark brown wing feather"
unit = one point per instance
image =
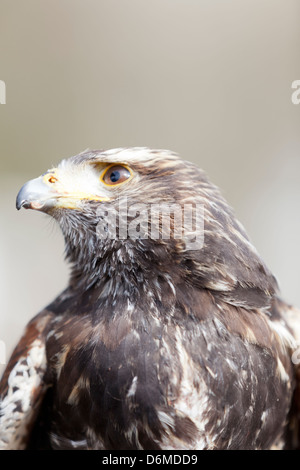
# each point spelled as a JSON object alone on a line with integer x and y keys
{"x": 23, "y": 385}
{"x": 292, "y": 438}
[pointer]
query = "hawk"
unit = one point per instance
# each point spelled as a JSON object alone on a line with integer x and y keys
{"x": 157, "y": 342}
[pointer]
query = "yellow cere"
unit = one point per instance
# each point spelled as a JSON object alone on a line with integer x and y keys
{"x": 68, "y": 198}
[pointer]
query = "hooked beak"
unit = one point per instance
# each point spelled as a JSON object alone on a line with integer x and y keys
{"x": 36, "y": 194}
{"x": 49, "y": 192}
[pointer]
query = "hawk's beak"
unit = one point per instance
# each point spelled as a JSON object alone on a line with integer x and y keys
{"x": 36, "y": 194}
{"x": 48, "y": 192}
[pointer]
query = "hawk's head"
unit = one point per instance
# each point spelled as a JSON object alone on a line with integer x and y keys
{"x": 110, "y": 207}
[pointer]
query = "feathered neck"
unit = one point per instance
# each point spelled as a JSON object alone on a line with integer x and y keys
{"x": 123, "y": 272}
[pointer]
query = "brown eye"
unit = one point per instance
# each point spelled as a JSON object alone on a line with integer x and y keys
{"x": 115, "y": 175}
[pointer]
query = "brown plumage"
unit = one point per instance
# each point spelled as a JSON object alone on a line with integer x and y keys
{"x": 157, "y": 343}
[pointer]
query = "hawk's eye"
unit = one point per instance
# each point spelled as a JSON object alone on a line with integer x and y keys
{"x": 116, "y": 174}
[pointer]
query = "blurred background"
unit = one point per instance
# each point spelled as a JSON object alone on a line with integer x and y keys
{"x": 209, "y": 79}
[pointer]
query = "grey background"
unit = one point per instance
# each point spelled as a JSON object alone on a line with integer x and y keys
{"x": 209, "y": 79}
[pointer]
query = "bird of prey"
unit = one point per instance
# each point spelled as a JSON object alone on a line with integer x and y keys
{"x": 157, "y": 342}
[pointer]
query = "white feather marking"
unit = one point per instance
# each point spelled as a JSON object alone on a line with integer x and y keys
{"x": 16, "y": 408}
{"x": 133, "y": 386}
{"x": 166, "y": 420}
{"x": 280, "y": 328}
{"x": 282, "y": 372}
{"x": 191, "y": 401}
